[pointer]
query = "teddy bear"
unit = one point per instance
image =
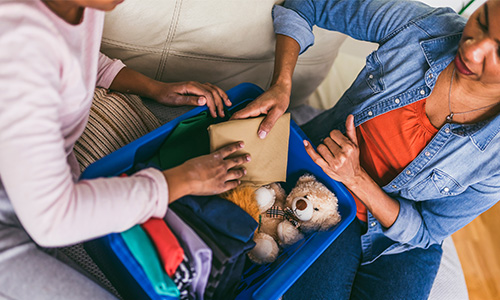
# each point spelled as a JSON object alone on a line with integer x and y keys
{"x": 284, "y": 219}
{"x": 256, "y": 201}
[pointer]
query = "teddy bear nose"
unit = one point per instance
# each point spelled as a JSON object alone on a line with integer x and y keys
{"x": 301, "y": 204}
{"x": 302, "y": 208}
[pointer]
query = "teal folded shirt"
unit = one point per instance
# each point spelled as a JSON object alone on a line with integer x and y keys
{"x": 145, "y": 253}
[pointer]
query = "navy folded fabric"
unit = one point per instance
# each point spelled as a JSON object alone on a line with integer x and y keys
{"x": 205, "y": 216}
{"x": 222, "y": 215}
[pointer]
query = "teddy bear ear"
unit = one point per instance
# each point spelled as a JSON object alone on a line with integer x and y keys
{"x": 279, "y": 191}
{"x": 306, "y": 178}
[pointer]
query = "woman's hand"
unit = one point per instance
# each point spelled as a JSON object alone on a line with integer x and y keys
{"x": 176, "y": 93}
{"x": 191, "y": 93}
{"x": 210, "y": 174}
{"x": 273, "y": 103}
{"x": 338, "y": 155}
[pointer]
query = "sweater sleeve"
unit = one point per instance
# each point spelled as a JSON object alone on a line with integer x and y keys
{"x": 34, "y": 169}
{"x": 107, "y": 70}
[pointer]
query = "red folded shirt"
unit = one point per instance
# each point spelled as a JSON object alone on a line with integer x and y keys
{"x": 169, "y": 250}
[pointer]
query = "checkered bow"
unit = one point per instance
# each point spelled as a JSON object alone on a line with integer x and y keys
{"x": 286, "y": 213}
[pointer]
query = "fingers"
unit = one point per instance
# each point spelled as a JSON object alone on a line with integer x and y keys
{"x": 212, "y": 100}
{"x": 216, "y": 98}
{"x": 268, "y": 123}
{"x": 251, "y": 110}
{"x": 237, "y": 161}
{"x": 229, "y": 149}
{"x": 229, "y": 185}
{"x": 189, "y": 100}
{"x": 318, "y": 159}
{"x": 328, "y": 150}
{"x": 221, "y": 93}
{"x": 209, "y": 94}
{"x": 351, "y": 129}
{"x": 235, "y": 174}
{"x": 232, "y": 162}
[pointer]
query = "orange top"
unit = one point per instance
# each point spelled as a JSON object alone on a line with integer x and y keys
{"x": 385, "y": 150}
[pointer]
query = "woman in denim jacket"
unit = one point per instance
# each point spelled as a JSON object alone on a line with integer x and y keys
{"x": 428, "y": 54}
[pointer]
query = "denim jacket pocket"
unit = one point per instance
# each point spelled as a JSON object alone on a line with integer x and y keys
{"x": 369, "y": 82}
{"x": 438, "y": 184}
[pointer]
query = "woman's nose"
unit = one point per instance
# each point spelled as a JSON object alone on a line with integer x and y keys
{"x": 478, "y": 48}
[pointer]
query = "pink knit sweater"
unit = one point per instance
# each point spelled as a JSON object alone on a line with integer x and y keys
{"x": 48, "y": 72}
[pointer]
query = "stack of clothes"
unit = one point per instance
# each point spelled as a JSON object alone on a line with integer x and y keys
{"x": 198, "y": 251}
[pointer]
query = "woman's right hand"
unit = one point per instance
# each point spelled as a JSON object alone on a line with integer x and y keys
{"x": 210, "y": 174}
{"x": 273, "y": 103}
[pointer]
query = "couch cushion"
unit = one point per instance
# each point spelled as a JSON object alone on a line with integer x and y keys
{"x": 224, "y": 42}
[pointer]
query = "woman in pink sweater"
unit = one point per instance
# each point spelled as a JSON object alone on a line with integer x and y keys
{"x": 49, "y": 66}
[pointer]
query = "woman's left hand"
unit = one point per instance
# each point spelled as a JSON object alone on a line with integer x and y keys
{"x": 192, "y": 93}
{"x": 338, "y": 155}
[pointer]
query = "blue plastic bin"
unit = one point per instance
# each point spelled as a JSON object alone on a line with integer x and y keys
{"x": 264, "y": 282}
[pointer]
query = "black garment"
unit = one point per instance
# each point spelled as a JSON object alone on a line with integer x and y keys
{"x": 183, "y": 278}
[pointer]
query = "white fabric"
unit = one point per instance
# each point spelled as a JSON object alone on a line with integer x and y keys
{"x": 48, "y": 73}
{"x": 450, "y": 281}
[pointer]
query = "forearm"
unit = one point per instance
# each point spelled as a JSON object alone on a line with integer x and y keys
{"x": 287, "y": 53}
{"x": 133, "y": 82}
{"x": 384, "y": 208}
{"x": 178, "y": 185}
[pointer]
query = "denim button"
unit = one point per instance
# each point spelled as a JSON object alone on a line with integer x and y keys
{"x": 370, "y": 76}
{"x": 431, "y": 76}
{"x": 447, "y": 130}
{"x": 408, "y": 172}
{"x": 394, "y": 186}
{"x": 446, "y": 189}
{"x": 427, "y": 153}
{"x": 422, "y": 92}
{"x": 397, "y": 101}
{"x": 372, "y": 224}
{"x": 370, "y": 113}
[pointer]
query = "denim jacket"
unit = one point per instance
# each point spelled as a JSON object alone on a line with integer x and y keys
{"x": 456, "y": 177}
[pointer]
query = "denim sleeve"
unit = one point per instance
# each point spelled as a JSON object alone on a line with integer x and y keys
{"x": 372, "y": 21}
{"x": 424, "y": 223}
{"x": 288, "y": 22}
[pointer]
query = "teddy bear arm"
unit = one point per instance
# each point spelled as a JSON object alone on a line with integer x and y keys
{"x": 266, "y": 249}
{"x": 288, "y": 234}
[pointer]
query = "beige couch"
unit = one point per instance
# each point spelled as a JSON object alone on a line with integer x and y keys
{"x": 227, "y": 42}
{"x": 224, "y": 42}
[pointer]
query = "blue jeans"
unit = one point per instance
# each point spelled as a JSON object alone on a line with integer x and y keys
{"x": 338, "y": 273}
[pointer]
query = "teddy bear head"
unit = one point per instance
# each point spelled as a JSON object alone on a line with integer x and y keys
{"x": 313, "y": 204}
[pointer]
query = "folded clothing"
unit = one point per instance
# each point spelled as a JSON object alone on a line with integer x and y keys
{"x": 143, "y": 250}
{"x": 229, "y": 252}
{"x": 183, "y": 278}
{"x": 196, "y": 249}
{"x": 166, "y": 244}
